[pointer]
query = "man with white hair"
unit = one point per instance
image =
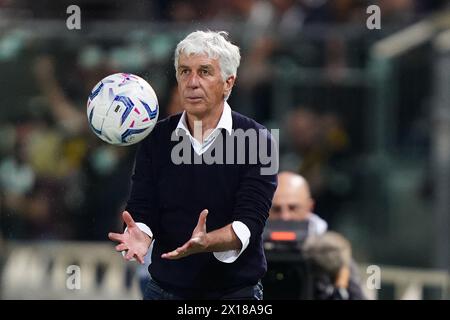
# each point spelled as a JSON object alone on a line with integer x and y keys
{"x": 170, "y": 201}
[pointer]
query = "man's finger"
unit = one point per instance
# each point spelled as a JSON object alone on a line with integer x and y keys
{"x": 175, "y": 254}
{"x": 121, "y": 247}
{"x": 128, "y": 219}
{"x": 202, "y": 218}
{"x": 115, "y": 236}
{"x": 183, "y": 251}
{"x": 170, "y": 255}
{"x": 139, "y": 259}
{"x": 129, "y": 255}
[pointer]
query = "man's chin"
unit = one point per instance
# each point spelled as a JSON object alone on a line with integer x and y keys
{"x": 196, "y": 109}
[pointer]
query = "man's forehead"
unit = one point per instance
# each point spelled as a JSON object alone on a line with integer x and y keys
{"x": 286, "y": 196}
{"x": 288, "y": 193}
{"x": 198, "y": 60}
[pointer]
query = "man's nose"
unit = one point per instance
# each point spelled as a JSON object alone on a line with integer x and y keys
{"x": 285, "y": 214}
{"x": 193, "y": 80}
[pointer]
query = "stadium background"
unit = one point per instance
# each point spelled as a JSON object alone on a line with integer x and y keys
{"x": 363, "y": 114}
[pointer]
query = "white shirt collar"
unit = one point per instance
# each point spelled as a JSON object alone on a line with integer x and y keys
{"x": 225, "y": 122}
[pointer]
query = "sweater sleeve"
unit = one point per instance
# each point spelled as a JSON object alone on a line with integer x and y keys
{"x": 256, "y": 189}
{"x": 142, "y": 203}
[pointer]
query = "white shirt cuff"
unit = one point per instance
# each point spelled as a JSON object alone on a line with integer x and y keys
{"x": 243, "y": 233}
{"x": 144, "y": 228}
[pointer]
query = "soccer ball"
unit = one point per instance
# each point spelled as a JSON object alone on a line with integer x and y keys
{"x": 122, "y": 109}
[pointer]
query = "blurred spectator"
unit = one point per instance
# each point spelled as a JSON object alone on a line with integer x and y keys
{"x": 267, "y": 25}
{"x": 17, "y": 180}
{"x": 182, "y": 11}
{"x": 292, "y": 201}
{"x": 397, "y": 11}
{"x": 329, "y": 257}
{"x": 43, "y": 220}
{"x": 16, "y": 175}
{"x": 335, "y": 11}
{"x": 320, "y": 144}
{"x": 288, "y": 16}
{"x": 69, "y": 116}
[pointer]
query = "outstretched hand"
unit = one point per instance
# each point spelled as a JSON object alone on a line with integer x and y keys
{"x": 197, "y": 243}
{"x": 133, "y": 240}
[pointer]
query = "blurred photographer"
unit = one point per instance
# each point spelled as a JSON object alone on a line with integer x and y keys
{"x": 292, "y": 202}
{"x": 329, "y": 257}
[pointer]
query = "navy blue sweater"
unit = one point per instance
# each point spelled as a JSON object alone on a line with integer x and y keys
{"x": 169, "y": 198}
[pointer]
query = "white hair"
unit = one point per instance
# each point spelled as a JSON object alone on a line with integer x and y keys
{"x": 216, "y": 46}
{"x": 329, "y": 252}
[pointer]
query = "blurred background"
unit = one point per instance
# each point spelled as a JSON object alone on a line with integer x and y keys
{"x": 364, "y": 116}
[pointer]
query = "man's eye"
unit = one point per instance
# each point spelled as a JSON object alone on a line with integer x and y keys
{"x": 184, "y": 71}
{"x": 276, "y": 209}
{"x": 204, "y": 72}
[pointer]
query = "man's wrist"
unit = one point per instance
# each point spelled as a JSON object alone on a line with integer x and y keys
{"x": 148, "y": 239}
{"x": 144, "y": 228}
{"x": 207, "y": 243}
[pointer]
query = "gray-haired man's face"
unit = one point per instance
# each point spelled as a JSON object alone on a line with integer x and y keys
{"x": 200, "y": 84}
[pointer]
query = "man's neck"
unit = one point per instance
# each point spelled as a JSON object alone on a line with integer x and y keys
{"x": 206, "y": 123}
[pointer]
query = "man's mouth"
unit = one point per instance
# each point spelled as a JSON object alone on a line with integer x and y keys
{"x": 194, "y": 99}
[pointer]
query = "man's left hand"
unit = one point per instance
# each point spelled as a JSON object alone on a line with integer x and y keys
{"x": 196, "y": 244}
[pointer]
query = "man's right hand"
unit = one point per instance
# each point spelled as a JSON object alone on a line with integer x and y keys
{"x": 133, "y": 240}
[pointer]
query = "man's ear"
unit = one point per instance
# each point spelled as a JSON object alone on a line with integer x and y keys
{"x": 311, "y": 204}
{"x": 229, "y": 83}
